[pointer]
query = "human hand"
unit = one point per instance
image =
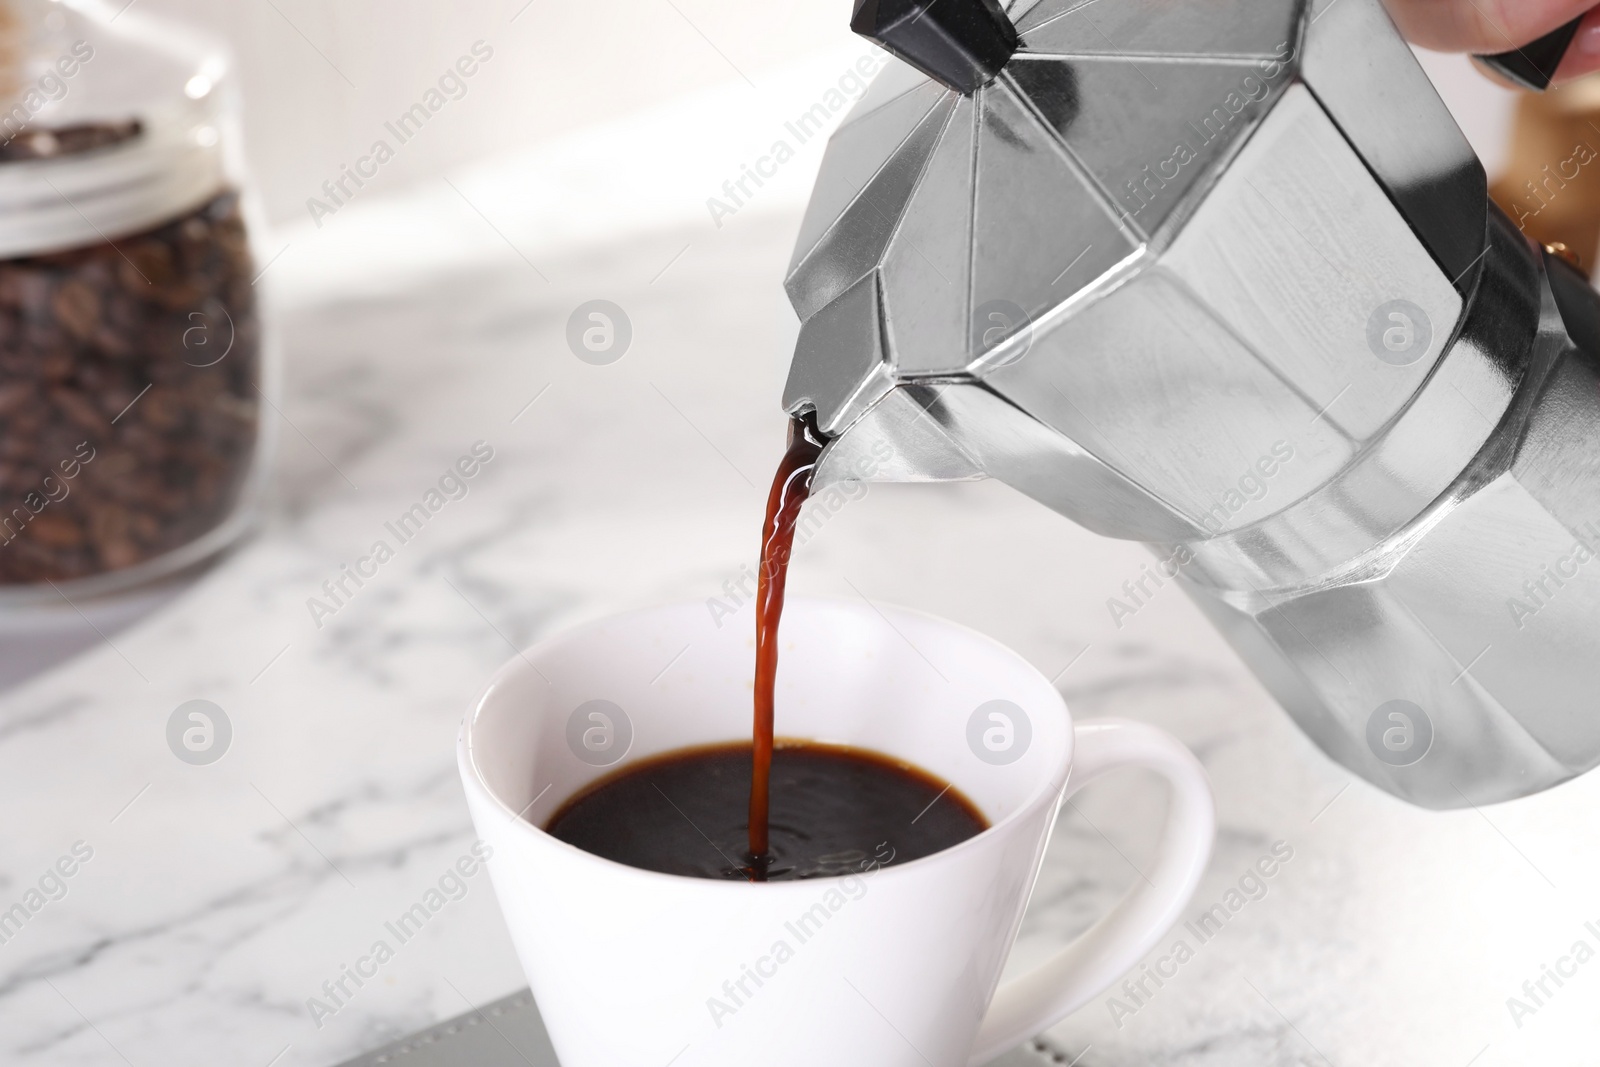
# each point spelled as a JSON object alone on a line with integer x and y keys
{"x": 1487, "y": 27}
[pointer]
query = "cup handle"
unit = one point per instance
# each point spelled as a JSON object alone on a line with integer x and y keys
{"x": 1044, "y": 996}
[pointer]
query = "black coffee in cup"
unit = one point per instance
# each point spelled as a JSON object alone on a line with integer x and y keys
{"x": 833, "y": 811}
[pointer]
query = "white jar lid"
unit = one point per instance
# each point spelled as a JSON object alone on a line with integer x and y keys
{"x": 174, "y": 83}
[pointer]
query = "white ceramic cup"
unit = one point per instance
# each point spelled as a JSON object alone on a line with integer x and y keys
{"x": 895, "y": 965}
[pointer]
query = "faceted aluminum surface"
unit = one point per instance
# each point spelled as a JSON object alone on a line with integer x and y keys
{"x": 1218, "y": 28}
{"x": 988, "y": 212}
{"x": 1222, "y": 276}
{"x": 1480, "y": 622}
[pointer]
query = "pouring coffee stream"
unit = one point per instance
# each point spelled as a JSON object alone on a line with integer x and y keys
{"x": 791, "y": 485}
{"x": 838, "y": 809}
{"x": 814, "y": 808}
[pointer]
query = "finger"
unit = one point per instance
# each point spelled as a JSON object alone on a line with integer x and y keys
{"x": 1583, "y": 55}
{"x": 1482, "y": 26}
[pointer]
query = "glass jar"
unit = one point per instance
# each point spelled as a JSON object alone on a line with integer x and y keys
{"x": 133, "y": 371}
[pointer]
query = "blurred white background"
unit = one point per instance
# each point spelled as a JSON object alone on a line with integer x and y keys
{"x": 320, "y": 78}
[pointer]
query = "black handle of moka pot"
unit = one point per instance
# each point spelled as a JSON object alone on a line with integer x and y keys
{"x": 1533, "y": 65}
{"x": 962, "y": 43}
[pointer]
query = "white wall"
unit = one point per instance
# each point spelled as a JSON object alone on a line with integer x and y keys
{"x": 1482, "y": 109}
{"x": 561, "y": 64}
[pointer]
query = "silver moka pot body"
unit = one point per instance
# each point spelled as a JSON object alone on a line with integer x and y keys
{"x": 1222, "y": 276}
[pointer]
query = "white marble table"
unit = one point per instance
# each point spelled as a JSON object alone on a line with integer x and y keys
{"x": 218, "y": 899}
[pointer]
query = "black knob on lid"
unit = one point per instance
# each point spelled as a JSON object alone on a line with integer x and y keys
{"x": 962, "y": 43}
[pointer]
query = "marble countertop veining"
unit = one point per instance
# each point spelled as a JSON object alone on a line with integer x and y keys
{"x": 208, "y": 904}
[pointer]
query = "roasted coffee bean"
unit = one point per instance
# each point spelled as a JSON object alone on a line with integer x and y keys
{"x": 14, "y": 396}
{"x": 54, "y": 530}
{"x": 77, "y": 308}
{"x": 67, "y": 140}
{"x": 125, "y": 432}
{"x": 79, "y": 410}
